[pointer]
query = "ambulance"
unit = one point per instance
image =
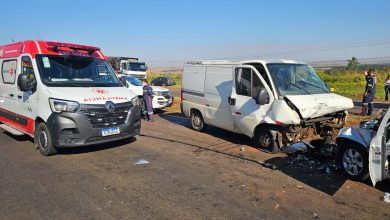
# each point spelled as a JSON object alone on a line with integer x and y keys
{"x": 63, "y": 95}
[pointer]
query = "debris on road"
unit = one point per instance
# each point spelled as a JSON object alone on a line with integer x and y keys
{"x": 242, "y": 148}
{"x": 299, "y": 146}
{"x": 386, "y": 198}
{"x": 141, "y": 162}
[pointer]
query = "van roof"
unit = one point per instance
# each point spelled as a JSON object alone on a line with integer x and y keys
{"x": 232, "y": 62}
{"x": 34, "y": 48}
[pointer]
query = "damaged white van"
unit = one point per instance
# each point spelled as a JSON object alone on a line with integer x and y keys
{"x": 271, "y": 101}
{"x": 64, "y": 95}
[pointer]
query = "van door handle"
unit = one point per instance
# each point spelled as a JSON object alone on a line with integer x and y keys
{"x": 19, "y": 96}
{"x": 231, "y": 101}
{"x": 12, "y": 95}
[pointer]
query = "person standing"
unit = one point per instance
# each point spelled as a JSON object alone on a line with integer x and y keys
{"x": 369, "y": 94}
{"x": 148, "y": 99}
{"x": 387, "y": 88}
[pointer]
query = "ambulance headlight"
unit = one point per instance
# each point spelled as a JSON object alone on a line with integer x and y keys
{"x": 58, "y": 105}
{"x": 135, "y": 101}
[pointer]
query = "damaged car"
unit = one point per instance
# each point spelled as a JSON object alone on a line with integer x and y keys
{"x": 363, "y": 151}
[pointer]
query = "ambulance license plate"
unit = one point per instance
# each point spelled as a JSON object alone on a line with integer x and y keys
{"x": 110, "y": 131}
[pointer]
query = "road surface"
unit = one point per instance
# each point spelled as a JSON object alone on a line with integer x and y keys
{"x": 191, "y": 175}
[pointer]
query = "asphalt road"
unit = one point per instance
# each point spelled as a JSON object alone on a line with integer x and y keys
{"x": 191, "y": 175}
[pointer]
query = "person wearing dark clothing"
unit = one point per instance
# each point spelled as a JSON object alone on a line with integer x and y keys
{"x": 148, "y": 98}
{"x": 387, "y": 88}
{"x": 369, "y": 94}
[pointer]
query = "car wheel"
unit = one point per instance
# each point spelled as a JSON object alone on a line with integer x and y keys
{"x": 265, "y": 140}
{"x": 44, "y": 141}
{"x": 353, "y": 159}
{"x": 197, "y": 121}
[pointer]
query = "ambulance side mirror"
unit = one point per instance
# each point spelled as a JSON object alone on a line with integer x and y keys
{"x": 25, "y": 84}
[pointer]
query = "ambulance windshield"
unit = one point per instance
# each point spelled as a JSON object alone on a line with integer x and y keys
{"x": 76, "y": 71}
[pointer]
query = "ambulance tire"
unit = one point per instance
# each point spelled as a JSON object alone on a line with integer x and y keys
{"x": 44, "y": 141}
{"x": 265, "y": 140}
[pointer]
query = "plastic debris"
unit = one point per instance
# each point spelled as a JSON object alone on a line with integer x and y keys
{"x": 386, "y": 198}
{"x": 327, "y": 170}
{"x": 141, "y": 162}
{"x": 242, "y": 148}
{"x": 299, "y": 146}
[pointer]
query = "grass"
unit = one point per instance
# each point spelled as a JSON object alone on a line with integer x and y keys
{"x": 349, "y": 83}
{"x": 176, "y": 76}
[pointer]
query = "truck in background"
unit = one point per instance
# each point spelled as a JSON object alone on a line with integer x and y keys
{"x": 129, "y": 66}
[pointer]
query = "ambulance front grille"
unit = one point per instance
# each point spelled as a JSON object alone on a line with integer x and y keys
{"x": 99, "y": 116}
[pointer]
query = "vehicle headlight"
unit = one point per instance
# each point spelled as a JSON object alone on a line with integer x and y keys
{"x": 58, "y": 105}
{"x": 135, "y": 101}
{"x": 157, "y": 93}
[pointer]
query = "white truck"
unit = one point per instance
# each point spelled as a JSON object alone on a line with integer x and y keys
{"x": 133, "y": 67}
{"x": 271, "y": 101}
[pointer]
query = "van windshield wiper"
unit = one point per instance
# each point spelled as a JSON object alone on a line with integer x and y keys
{"x": 290, "y": 83}
{"x": 315, "y": 86}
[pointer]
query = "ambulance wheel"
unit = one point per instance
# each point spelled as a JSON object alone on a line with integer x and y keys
{"x": 265, "y": 140}
{"x": 197, "y": 121}
{"x": 44, "y": 141}
{"x": 353, "y": 160}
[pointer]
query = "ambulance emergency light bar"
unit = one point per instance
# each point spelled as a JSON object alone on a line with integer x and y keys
{"x": 56, "y": 45}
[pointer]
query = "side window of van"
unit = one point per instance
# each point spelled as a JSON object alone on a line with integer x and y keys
{"x": 247, "y": 82}
{"x": 243, "y": 81}
{"x": 27, "y": 67}
{"x": 8, "y": 71}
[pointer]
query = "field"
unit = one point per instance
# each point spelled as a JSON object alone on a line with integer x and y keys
{"x": 349, "y": 83}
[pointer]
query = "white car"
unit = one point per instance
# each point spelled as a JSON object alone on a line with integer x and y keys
{"x": 161, "y": 99}
{"x": 364, "y": 151}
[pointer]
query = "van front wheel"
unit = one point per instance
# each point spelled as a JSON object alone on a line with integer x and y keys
{"x": 44, "y": 141}
{"x": 197, "y": 121}
{"x": 265, "y": 140}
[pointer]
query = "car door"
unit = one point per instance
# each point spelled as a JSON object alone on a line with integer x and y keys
{"x": 378, "y": 151}
{"x": 26, "y": 101}
{"x": 246, "y": 112}
{"x": 8, "y": 107}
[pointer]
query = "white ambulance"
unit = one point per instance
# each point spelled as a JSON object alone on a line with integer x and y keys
{"x": 271, "y": 101}
{"x": 63, "y": 95}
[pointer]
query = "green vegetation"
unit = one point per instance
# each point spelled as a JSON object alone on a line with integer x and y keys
{"x": 351, "y": 82}
{"x": 150, "y": 75}
{"x": 348, "y": 81}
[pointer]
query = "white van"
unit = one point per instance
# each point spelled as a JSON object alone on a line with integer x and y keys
{"x": 271, "y": 101}
{"x": 64, "y": 95}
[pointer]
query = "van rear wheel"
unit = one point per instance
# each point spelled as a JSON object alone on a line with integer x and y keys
{"x": 44, "y": 141}
{"x": 265, "y": 140}
{"x": 197, "y": 121}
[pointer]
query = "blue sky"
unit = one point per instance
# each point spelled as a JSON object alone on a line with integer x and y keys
{"x": 167, "y": 33}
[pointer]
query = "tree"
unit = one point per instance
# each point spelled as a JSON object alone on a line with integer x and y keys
{"x": 352, "y": 63}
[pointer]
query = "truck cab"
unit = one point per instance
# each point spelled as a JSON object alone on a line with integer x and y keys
{"x": 133, "y": 67}
{"x": 64, "y": 95}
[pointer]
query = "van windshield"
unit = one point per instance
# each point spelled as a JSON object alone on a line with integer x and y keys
{"x": 137, "y": 67}
{"x": 296, "y": 79}
{"x": 76, "y": 71}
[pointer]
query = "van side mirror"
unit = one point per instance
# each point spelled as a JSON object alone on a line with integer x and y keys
{"x": 25, "y": 84}
{"x": 262, "y": 97}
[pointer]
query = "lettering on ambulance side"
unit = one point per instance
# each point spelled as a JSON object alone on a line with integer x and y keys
{"x": 94, "y": 99}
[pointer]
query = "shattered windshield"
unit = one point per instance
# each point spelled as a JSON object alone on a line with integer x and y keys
{"x": 296, "y": 79}
{"x": 76, "y": 71}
